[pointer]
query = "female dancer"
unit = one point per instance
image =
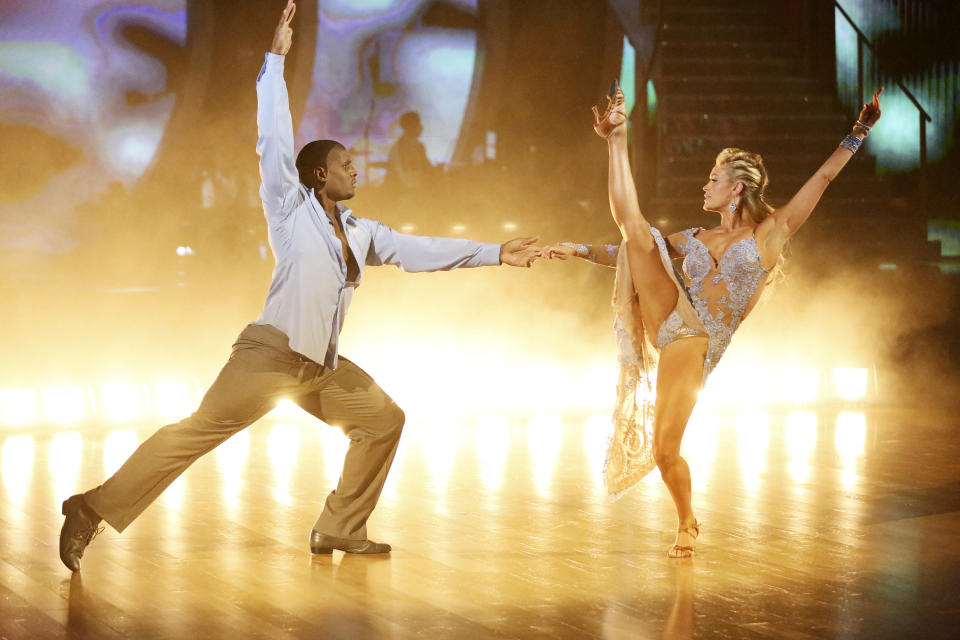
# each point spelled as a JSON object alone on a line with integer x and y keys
{"x": 672, "y": 327}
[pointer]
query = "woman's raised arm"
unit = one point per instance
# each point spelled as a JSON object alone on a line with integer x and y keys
{"x": 785, "y": 221}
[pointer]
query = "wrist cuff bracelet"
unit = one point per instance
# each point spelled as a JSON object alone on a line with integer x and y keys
{"x": 851, "y": 142}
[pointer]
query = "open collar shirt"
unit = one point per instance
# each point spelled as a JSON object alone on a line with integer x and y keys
{"x": 309, "y": 293}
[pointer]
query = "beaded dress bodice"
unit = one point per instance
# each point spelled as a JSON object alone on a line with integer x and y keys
{"x": 720, "y": 292}
{"x": 713, "y": 299}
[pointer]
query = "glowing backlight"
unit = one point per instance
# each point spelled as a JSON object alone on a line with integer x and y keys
{"x": 16, "y": 465}
{"x": 172, "y": 399}
{"x": 117, "y": 448}
{"x": 800, "y": 384}
{"x": 491, "y": 443}
{"x": 850, "y": 383}
{"x": 850, "y": 436}
{"x": 18, "y": 406}
{"x": 121, "y": 401}
{"x": 544, "y": 439}
{"x": 753, "y": 435}
{"x": 800, "y": 436}
{"x": 63, "y": 405}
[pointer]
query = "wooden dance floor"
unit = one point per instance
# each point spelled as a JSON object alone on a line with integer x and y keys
{"x": 828, "y": 523}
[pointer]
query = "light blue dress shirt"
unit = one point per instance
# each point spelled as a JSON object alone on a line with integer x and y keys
{"x": 309, "y": 294}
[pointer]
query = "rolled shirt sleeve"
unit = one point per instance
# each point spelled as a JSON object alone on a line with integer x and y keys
{"x": 421, "y": 253}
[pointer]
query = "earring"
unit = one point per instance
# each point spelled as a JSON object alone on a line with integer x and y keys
{"x": 733, "y": 206}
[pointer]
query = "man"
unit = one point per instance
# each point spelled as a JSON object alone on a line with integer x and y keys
{"x": 291, "y": 349}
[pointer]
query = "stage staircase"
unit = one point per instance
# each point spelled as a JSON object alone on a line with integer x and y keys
{"x": 728, "y": 80}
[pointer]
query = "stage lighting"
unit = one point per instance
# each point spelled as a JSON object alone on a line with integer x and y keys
{"x": 63, "y": 405}
{"x": 850, "y": 437}
{"x": 287, "y": 409}
{"x": 753, "y": 436}
{"x": 491, "y": 444}
{"x": 544, "y": 439}
{"x": 18, "y": 406}
{"x": 66, "y": 454}
{"x": 16, "y": 464}
{"x": 800, "y": 434}
{"x": 117, "y": 448}
{"x": 121, "y": 401}
{"x": 800, "y": 385}
{"x": 850, "y": 383}
{"x": 171, "y": 399}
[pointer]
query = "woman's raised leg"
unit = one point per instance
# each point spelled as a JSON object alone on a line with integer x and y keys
{"x": 655, "y": 287}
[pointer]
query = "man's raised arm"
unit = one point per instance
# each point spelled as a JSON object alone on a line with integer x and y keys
{"x": 278, "y": 170}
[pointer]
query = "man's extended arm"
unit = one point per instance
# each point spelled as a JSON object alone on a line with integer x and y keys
{"x": 422, "y": 253}
{"x": 278, "y": 171}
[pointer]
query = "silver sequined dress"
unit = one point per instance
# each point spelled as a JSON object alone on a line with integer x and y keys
{"x": 713, "y": 298}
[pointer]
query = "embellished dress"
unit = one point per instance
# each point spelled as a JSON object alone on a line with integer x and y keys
{"x": 713, "y": 299}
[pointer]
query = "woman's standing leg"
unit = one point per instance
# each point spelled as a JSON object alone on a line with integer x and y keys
{"x": 679, "y": 376}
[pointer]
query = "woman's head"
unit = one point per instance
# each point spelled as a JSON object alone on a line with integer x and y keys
{"x": 737, "y": 184}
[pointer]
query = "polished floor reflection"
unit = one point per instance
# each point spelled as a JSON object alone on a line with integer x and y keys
{"x": 819, "y": 523}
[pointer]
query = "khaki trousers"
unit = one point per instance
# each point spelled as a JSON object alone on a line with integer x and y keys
{"x": 262, "y": 368}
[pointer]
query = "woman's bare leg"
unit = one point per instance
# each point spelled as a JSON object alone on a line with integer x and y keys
{"x": 679, "y": 376}
{"x": 655, "y": 287}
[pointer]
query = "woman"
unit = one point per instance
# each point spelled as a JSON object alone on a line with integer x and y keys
{"x": 673, "y": 327}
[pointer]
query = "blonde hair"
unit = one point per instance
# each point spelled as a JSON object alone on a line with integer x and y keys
{"x": 747, "y": 168}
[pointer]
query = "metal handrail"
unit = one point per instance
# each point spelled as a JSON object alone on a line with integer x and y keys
{"x": 924, "y": 116}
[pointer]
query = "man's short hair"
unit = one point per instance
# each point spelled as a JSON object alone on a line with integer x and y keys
{"x": 314, "y": 154}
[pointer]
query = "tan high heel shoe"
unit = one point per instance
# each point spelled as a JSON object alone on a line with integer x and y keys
{"x": 678, "y": 551}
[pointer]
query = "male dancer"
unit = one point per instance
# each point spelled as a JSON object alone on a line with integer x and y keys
{"x": 291, "y": 349}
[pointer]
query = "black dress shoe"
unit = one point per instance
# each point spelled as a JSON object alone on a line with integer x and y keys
{"x": 322, "y": 543}
{"x": 79, "y": 529}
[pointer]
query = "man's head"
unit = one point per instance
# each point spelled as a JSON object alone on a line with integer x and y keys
{"x": 325, "y": 165}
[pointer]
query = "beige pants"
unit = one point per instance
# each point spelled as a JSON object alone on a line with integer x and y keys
{"x": 262, "y": 369}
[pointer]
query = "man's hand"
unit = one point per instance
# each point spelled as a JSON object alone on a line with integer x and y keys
{"x": 520, "y": 252}
{"x": 283, "y": 36}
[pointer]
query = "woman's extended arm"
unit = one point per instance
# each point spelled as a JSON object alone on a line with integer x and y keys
{"x": 785, "y": 221}
{"x": 602, "y": 254}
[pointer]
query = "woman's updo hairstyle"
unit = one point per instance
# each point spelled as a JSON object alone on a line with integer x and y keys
{"x": 747, "y": 168}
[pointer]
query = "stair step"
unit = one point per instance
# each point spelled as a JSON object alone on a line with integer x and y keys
{"x": 687, "y": 101}
{"x": 748, "y": 85}
{"x": 727, "y": 123}
{"x": 678, "y": 63}
{"x": 752, "y": 32}
{"x": 720, "y": 48}
{"x": 710, "y": 16}
{"x": 764, "y": 144}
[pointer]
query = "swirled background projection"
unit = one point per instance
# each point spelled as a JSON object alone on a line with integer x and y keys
{"x": 376, "y": 60}
{"x": 84, "y": 102}
{"x": 88, "y": 89}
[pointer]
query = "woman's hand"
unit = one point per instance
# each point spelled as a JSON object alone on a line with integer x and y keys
{"x": 283, "y": 36}
{"x": 558, "y": 252}
{"x": 613, "y": 122}
{"x": 870, "y": 112}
